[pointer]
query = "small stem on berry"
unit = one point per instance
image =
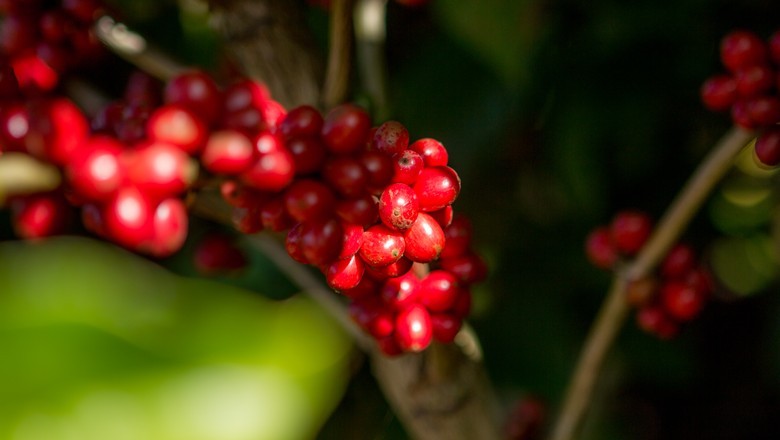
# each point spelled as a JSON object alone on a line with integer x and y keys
{"x": 22, "y": 174}
{"x": 337, "y": 74}
{"x": 370, "y": 35}
{"x": 615, "y": 308}
{"x": 135, "y": 49}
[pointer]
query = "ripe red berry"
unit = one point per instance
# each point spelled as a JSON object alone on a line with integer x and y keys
{"x": 345, "y": 274}
{"x": 413, "y": 330}
{"x": 169, "y": 227}
{"x": 345, "y": 129}
{"x": 754, "y": 80}
{"x": 361, "y": 210}
{"x": 307, "y": 199}
{"x": 437, "y": 187}
{"x": 40, "y": 215}
{"x": 432, "y": 151}
{"x": 719, "y": 92}
{"x": 303, "y": 121}
{"x": 177, "y": 125}
{"x": 400, "y": 292}
{"x": 321, "y": 240}
{"x": 424, "y": 239}
{"x": 600, "y": 249}
{"x": 390, "y": 138}
{"x": 352, "y": 239}
{"x": 767, "y": 148}
{"x": 681, "y": 301}
{"x": 227, "y": 152}
{"x": 379, "y": 167}
{"x": 392, "y": 270}
{"x": 445, "y": 327}
{"x": 196, "y": 91}
{"x": 740, "y": 115}
{"x": 345, "y": 175}
{"x": 653, "y": 319}
{"x": 439, "y": 291}
{"x": 273, "y": 215}
{"x": 159, "y": 170}
{"x": 469, "y": 268}
{"x": 407, "y": 167}
{"x": 443, "y": 216}
{"x": 272, "y": 171}
{"x": 764, "y": 111}
{"x": 680, "y": 260}
{"x": 629, "y": 230}
{"x": 128, "y": 217}
{"x": 774, "y": 47}
{"x": 381, "y": 246}
{"x": 308, "y": 154}
{"x": 58, "y": 130}
{"x": 742, "y": 48}
{"x": 458, "y": 237}
{"x": 217, "y": 253}
{"x": 398, "y": 206}
{"x": 97, "y": 173}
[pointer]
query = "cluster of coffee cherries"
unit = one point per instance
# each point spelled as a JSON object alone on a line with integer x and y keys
{"x": 325, "y": 4}
{"x": 370, "y": 210}
{"x": 750, "y": 89}
{"x": 42, "y": 39}
{"x": 673, "y": 295}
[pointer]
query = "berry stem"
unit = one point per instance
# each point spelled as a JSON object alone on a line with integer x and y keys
{"x": 22, "y": 174}
{"x": 135, "y": 49}
{"x": 337, "y": 73}
{"x": 614, "y": 309}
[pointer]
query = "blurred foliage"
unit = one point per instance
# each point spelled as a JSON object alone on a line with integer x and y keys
{"x": 557, "y": 114}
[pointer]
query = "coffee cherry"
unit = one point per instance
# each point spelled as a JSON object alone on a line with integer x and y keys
{"x": 367, "y": 287}
{"x": 390, "y": 138}
{"x": 432, "y": 151}
{"x": 345, "y": 274}
{"x": 398, "y": 206}
{"x": 413, "y": 330}
{"x": 352, "y": 239}
{"x": 308, "y": 199}
{"x": 437, "y": 187}
{"x": 177, "y": 125}
{"x": 774, "y": 47}
{"x": 308, "y": 154}
{"x": 321, "y": 240}
{"x": 445, "y": 327}
{"x": 401, "y": 292}
{"x": 469, "y": 268}
{"x": 345, "y": 175}
{"x": 388, "y": 345}
{"x": 196, "y": 91}
{"x": 424, "y": 239}
{"x": 40, "y": 215}
{"x": 292, "y": 244}
{"x": 740, "y": 115}
{"x": 767, "y": 148}
{"x": 370, "y": 314}
{"x": 392, "y": 270}
{"x": 58, "y": 130}
{"x": 764, "y": 111}
{"x": 361, "y": 210}
{"x": 462, "y": 306}
{"x": 754, "y": 80}
{"x": 600, "y": 249}
{"x": 653, "y": 319}
{"x": 681, "y": 301}
{"x": 381, "y": 246}
{"x": 128, "y": 217}
{"x": 227, "y": 152}
{"x": 439, "y": 291}
{"x": 303, "y": 121}
{"x": 247, "y": 219}
{"x": 159, "y": 170}
{"x": 457, "y": 237}
{"x": 719, "y": 92}
{"x": 272, "y": 171}
{"x": 273, "y": 215}
{"x": 629, "y": 230}
{"x": 169, "y": 228}
{"x": 407, "y": 166}
{"x": 741, "y": 48}
{"x": 443, "y": 216}
{"x": 379, "y": 167}
{"x": 345, "y": 128}
{"x": 680, "y": 260}
{"x": 97, "y": 173}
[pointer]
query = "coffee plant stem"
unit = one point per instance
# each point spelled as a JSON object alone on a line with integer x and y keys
{"x": 339, "y": 63}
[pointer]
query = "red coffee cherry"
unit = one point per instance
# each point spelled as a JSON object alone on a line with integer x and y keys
{"x": 361, "y": 210}
{"x": 392, "y": 270}
{"x": 445, "y": 327}
{"x": 629, "y": 230}
{"x": 128, "y": 217}
{"x": 40, "y": 215}
{"x": 381, "y": 246}
{"x": 443, "y": 216}
{"x": 437, "y": 187}
{"x": 177, "y": 125}
{"x": 390, "y": 138}
{"x": 217, "y": 253}
{"x": 272, "y": 171}
{"x": 653, "y": 319}
{"x": 458, "y": 237}
{"x": 742, "y": 48}
{"x": 407, "y": 166}
{"x": 345, "y": 129}
{"x": 439, "y": 291}
{"x": 159, "y": 170}
{"x": 681, "y": 301}
{"x": 345, "y": 175}
{"x": 754, "y": 80}
{"x": 767, "y": 148}
{"x": 169, "y": 228}
{"x": 345, "y": 274}
{"x": 413, "y": 330}
{"x": 680, "y": 260}
{"x": 307, "y": 199}
{"x": 398, "y": 206}
{"x": 719, "y": 92}
{"x": 424, "y": 239}
{"x": 273, "y": 215}
{"x": 469, "y": 268}
{"x": 227, "y": 152}
{"x": 401, "y": 292}
{"x": 432, "y": 151}
{"x": 764, "y": 111}
{"x": 352, "y": 239}
{"x": 196, "y": 91}
{"x": 58, "y": 130}
{"x": 308, "y": 154}
{"x": 97, "y": 173}
{"x": 303, "y": 121}
{"x": 321, "y": 240}
{"x": 379, "y": 167}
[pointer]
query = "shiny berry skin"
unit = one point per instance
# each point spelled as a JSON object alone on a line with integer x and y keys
{"x": 600, "y": 249}
{"x": 243, "y": 94}
{"x": 379, "y": 167}
{"x": 754, "y": 80}
{"x": 680, "y": 260}
{"x": 303, "y": 121}
{"x": 681, "y": 301}
{"x": 371, "y": 315}
{"x": 321, "y": 240}
{"x": 389, "y": 346}
{"x": 392, "y": 270}
{"x": 764, "y": 111}
{"x": 361, "y": 210}
{"x": 424, "y": 239}
{"x": 308, "y": 154}
{"x": 439, "y": 291}
{"x": 169, "y": 227}
{"x": 719, "y": 92}
{"x": 390, "y": 138}
{"x": 400, "y": 292}
{"x": 345, "y": 175}
{"x": 630, "y": 230}
{"x": 97, "y": 172}
{"x": 437, "y": 187}
{"x": 443, "y": 216}
{"x": 462, "y": 306}
{"x": 159, "y": 169}
{"x": 367, "y": 287}
{"x": 767, "y": 148}
{"x": 741, "y": 48}
{"x": 407, "y": 165}
{"x": 345, "y": 129}
{"x": 292, "y": 244}
{"x": 398, "y": 206}
{"x": 653, "y": 319}
{"x": 458, "y": 237}
{"x": 352, "y": 239}
{"x": 128, "y": 217}
{"x": 14, "y": 126}
{"x": 196, "y": 91}
{"x": 227, "y": 152}
{"x": 40, "y": 215}
{"x": 345, "y": 274}
{"x": 273, "y": 215}
{"x": 308, "y": 199}
{"x": 445, "y": 327}
{"x": 774, "y": 47}
{"x": 413, "y": 330}
{"x": 272, "y": 171}
{"x": 432, "y": 151}
{"x": 381, "y": 246}
{"x": 740, "y": 115}
{"x": 177, "y": 125}
{"x": 58, "y": 130}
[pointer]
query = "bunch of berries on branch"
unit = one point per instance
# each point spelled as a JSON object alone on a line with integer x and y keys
{"x": 45, "y": 39}
{"x": 750, "y": 89}
{"x": 673, "y": 295}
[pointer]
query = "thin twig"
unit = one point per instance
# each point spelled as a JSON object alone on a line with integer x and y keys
{"x": 21, "y": 174}
{"x": 615, "y": 308}
{"x": 337, "y": 73}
